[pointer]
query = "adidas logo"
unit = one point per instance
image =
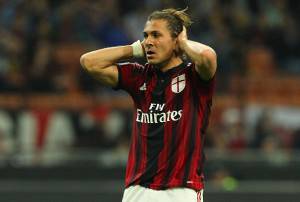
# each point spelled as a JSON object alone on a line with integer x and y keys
{"x": 143, "y": 87}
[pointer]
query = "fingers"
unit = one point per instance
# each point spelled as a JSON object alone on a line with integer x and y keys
{"x": 183, "y": 34}
{"x": 143, "y": 44}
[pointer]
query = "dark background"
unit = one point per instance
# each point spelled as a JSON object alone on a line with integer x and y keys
{"x": 65, "y": 137}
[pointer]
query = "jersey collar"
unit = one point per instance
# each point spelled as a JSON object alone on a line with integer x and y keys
{"x": 171, "y": 71}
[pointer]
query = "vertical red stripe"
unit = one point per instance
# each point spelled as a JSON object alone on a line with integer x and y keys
{"x": 130, "y": 166}
{"x": 143, "y": 161}
{"x": 196, "y": 157}
{"x": 136, "y": 167}
{"x": 131, "y": 163}
{"x": 163, "y": 156}
{"x": 144, "y": 131}
{"x": 183, "y": 136}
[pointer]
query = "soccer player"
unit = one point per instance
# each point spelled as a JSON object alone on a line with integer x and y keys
{"x": 172, "y": 99}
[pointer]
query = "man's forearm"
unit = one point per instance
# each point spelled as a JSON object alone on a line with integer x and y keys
{"x": 203, "y": 56}
{"x": 106, "y": 57}
{"x": 195, "y": 51}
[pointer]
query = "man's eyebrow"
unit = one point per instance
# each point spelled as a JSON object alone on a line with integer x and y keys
{"x": 151, "y": 32}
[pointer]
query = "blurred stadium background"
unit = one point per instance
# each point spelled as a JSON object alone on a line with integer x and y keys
{"x": 64, "y": 137}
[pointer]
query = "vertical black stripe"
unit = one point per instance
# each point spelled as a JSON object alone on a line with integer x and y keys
{"x": 173, "y": 147}
{"x": 155, "y": 136}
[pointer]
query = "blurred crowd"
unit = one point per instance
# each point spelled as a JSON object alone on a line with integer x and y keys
{"x": 37, "y": 36}
{"x": 41, "y": 42}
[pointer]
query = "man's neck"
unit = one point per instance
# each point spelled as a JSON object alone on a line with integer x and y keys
{"x": 170, "y": 64}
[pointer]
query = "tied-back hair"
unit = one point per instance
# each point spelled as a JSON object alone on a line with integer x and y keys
{"x": 176, "y": 19}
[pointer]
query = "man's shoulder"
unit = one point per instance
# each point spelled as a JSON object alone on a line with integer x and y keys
{"x": 136, "y": 68}
{"x": 136, "y": 65}
{"x": 146, "y": 68}
{"x": 188, "y": 67}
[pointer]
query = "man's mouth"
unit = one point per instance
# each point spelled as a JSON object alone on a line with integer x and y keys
{"x": 150, "y": 53}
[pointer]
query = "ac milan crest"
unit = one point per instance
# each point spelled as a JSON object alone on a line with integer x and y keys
{"x": 178, "y": 83}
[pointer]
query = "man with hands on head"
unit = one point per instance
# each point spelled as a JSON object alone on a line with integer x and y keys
{"x": 172, "y": 99}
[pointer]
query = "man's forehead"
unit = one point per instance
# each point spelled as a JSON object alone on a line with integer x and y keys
{"x": 155, "y": 25}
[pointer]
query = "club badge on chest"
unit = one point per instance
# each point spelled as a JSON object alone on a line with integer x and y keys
{"x": 178, "y": 83}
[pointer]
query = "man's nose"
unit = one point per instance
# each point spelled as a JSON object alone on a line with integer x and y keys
{"x": 148, "y": 41}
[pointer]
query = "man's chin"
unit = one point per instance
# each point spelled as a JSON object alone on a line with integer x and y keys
{"x": 152, "y": 62}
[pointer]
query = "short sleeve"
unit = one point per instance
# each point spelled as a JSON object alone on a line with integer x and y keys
{"x": 129, "y": 76}
{"x": 203, "y": 87}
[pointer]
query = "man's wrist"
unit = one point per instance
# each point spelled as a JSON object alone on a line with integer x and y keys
{"x": 183, "y": 44}
{"x": 137, "y": 49}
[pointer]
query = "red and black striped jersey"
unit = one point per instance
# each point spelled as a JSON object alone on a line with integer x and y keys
{"x": 171, "y": 115}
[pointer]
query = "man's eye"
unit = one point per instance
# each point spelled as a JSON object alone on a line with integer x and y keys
{"x": 155, "y": 35}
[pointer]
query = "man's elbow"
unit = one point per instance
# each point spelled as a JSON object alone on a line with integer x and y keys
{"x": 84, "y": 61}
{"x": 87, "y": 63}
{"x": 207, "y": 66}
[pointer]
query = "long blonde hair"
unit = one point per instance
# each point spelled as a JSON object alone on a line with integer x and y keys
{"x": 176, "y": 19}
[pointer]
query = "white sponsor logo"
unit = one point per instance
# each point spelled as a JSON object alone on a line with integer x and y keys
{"x": 178, "y": 83}
{"x": 157, "y": 107}
{"x": 157, "y": 117}
{"x": 143, "y": 87}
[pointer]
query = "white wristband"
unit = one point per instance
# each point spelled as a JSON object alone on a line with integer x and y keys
{"x": 137, "y": 49}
